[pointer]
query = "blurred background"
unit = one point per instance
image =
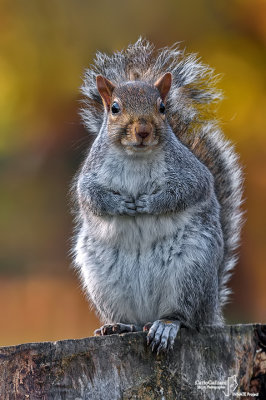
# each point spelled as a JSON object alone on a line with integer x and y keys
{"x": 44, "y": 50}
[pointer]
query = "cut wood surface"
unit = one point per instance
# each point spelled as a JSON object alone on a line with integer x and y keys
{"x": 209, "y": 364}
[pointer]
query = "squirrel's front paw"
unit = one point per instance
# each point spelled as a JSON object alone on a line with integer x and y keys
{"x": 127, "y": 206}
{"x": 161, "y": 334}
{"x": 143, "y": 204}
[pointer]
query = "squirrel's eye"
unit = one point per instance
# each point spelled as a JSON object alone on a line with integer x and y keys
{"x": 162, "y": 108}
{"x": 115, "y": 108}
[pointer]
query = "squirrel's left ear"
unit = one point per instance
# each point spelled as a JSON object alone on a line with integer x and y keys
{"x": 163, "y": 84}
{"x": 105, "y": 88}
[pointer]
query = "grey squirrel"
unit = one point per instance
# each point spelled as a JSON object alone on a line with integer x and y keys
{"x": 158, "y": 195}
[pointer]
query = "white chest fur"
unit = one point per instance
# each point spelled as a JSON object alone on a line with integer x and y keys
{"x": 128, "y": 264}
{"x": 132, "y": 176}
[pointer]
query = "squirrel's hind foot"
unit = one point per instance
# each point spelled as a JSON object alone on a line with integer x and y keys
{"x": 161, "y": 334}
{"x": 111, "y": 329}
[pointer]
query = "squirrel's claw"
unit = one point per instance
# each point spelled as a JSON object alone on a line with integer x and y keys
{"x": 103, "y": 330}
{"x": 162, "y": 334}
{"x": 111, "y": 329}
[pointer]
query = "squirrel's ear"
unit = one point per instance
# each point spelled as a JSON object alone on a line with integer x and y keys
{"x": 105, "y": 88}
{"x": 163, "y": 84}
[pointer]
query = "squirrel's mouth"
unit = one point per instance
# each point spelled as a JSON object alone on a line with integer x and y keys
{"x": 141, "y": 147}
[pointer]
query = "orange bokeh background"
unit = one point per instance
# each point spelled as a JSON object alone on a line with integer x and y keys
{"x": 44, "y": 50}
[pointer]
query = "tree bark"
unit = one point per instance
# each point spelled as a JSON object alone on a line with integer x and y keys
{"x": 203, "y": 365}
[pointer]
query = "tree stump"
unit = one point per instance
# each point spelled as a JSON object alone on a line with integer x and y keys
{"x": 215, "y": 363}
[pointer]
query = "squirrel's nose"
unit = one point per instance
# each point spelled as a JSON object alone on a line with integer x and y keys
{"x": 143, "y": 130}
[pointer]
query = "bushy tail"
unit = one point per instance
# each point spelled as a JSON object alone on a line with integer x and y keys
{"x": 190, "y": 113}
{"x": 210, "y": 146}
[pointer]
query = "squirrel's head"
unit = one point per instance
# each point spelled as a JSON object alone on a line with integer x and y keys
{"x": 135, "y": 112}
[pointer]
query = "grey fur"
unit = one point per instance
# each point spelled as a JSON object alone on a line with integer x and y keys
{"x": 157, "y": 233}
